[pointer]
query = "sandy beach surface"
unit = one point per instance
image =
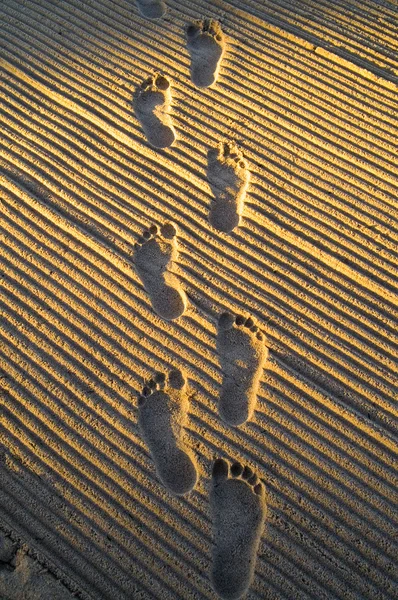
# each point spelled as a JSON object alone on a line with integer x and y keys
{"x": 198, "y": 296}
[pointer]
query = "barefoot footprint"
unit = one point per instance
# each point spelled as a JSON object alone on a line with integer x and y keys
{"x": 163, "y": 408}
{"x": 228, "y": 177}
{"x": 154, "y": 254}
{"x": 238, "y": 509}
{"x": 206, "y": 46}
{"x": 242, "y": 352}
{"x": 152, "y": 105}
{"x": 151, "y": 9}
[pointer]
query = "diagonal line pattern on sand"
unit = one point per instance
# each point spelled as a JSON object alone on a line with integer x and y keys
{"x": 314, "y": 261}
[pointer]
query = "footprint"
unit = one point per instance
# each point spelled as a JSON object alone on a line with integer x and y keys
{"x": 243, "y": 353}
{"x": 151, "y": 9}
{"x": 206, "y": 46}
{"x": 238, "y": 509}
{"x": 152, "y": 105}
{"x": 228, "y": 177}
{"x": 163, "y": 408}
{"x": 154, "y": 254}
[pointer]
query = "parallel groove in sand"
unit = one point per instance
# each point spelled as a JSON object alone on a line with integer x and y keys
{"x": 314, "y": 126}
{"x": 83, "y": 338}
{"x": 374, "y": 255}
{"x": 276, "y": 16}
{"x": 72, "y": 67}
{"x": 90, "y": 383}
{"x": 99, "y": 556}
{"x": 97, "y": 487}
{"x": 94, "y": 163}
{"x": 121, "y": 57}
{"x": 251, "y": 292}
{"x": 79, "y": 300}
{"x": 42, "y": 344}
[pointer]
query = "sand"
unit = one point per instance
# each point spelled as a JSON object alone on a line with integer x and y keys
{"x": 153, "y": 178}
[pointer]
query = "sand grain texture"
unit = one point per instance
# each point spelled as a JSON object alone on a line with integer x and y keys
{"x": 163, "y": 408}
{"x": 152, "y": 105}
{"x": 242, "y": 352}
{"x": 309, "y": 95}
{"x": 206, "y": 46}
{"x": 155, "y": 252}
{"x": 239, "y": 509}
{"x": 228, "y": 177}
{"x": 151, "y": 9}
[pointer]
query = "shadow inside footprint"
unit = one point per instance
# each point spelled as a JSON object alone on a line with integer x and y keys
{"x": 154, "y": 254}
{"x": 151, "y": 9}
{"x": 243, "y": 353}
{"x": 228, "y": 178}
{"x": 238, "y": 510}
{"x": 163, "y": 408}
{"x": 206, "y": 46}
{"x": 151, "y": 102}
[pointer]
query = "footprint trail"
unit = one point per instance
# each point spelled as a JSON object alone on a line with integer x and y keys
{"x": 206, "y": 46}
{"x": 162, "y": 414}
{"x": 238, "y": 508}
{"x": 229, "y": 177}
{"x": 151, "y": 9}
{"x": 154, "y": 254}
{"x": 242, "y": 353}
{"x": 151, "y": 103}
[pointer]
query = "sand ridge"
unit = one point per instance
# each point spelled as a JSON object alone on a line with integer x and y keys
{"x": 312, "y": 259}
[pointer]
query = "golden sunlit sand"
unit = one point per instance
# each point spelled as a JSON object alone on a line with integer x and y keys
{"x": 198, "y": 345}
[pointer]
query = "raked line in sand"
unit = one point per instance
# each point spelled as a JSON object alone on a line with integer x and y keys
{"x": 312, "y": 259}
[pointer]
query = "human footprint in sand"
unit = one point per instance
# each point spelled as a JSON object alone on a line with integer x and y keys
{"x": 154, "y": 254}
{"x": 206, "y": 46}
{"x": 151, "y": 103}
{"x": 238, "y": 510}
{"x": 151, "y": 9}
{"x": 243, "y": 353}
{"x": 229, "y": 177}
{"x": 163, "y": 407}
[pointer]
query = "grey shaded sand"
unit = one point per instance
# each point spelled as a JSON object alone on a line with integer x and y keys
{"x": 163, "y": 408}
{"x": 154, "y": 254}
{"x": 242, "y": 353}
{"x": 238, "y": 507}
{"x": 206, "y": 46}
{"x": 151, "y": 9}
{"x": 228, "y": 177}
{"x": 151, "y": 102}
{"x": 24, "y": 578}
